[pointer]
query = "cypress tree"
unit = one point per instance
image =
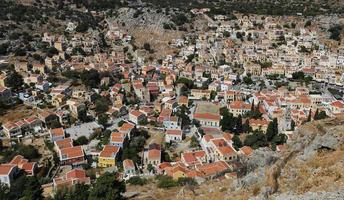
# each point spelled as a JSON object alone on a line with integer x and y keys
{"x": 236, "y": 142}
{"x": 309, "y": 116}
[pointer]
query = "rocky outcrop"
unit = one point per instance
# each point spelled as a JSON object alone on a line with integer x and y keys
{"x": 311, "y": 163}
{"x": 255, "y": 166}
{"x": 311, "y": 196}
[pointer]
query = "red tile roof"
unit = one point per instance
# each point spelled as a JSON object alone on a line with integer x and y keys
{"x": 174, "y": 132}
{"x": 207, "y": 116}
{"x": 57, "y": 132}
{"x": 76, "y": 173}
{"x": 227, "y": 150}
{"x": 65, "y": 143}
{"x": 5, "y": 169}
{"x": 246, "y": 150}
{"x": 239, "y": 105}
{"x": 72, "y": 152}
{"x": 154, "y": 154}
{"x": 208, "y": 137}
{"x": 128, "y": 164}
{"x": 136, "y": 113}
{"x": 109, "y": 151}
{"x": 126, "y": 127}
{"x": 213, "y": 168}
{"x": 337, "y": 104}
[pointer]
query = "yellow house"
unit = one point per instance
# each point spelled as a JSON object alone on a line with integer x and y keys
{"x": 58, "y": 100}
{"x": 107, "y": 157}
{"x": 177, "y": 172}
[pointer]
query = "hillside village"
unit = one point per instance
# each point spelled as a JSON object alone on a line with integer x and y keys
{"x": 74, "y": 112}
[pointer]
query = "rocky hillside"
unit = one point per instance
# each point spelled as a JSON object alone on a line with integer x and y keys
{"x": 310, "y": 168}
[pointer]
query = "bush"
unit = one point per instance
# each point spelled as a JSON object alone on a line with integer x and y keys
{"x": 335, "y": 32}
{"x": 186, "y": 181}
{"x": 82, "y": 140}
{"x": 165, "y": 181}
{"x": 28, "y": 151}
{"x": 136, "y": 180}
{"x": 180, "y": 19}
{"x": 147, "y": 46}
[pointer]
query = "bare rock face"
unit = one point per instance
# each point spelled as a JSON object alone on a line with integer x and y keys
{"x": 312, "y": 196}
{"x": 255, "y": 166}
{"x": 326, "y": 137}
{"x": 311, "y": 167}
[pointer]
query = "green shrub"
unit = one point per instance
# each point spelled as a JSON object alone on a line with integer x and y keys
{"x": 136, "y": 180}
{"x": 166, "y": 181}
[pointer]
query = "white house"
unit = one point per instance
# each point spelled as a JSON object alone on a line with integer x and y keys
{"x": 136, "y": 116}
{"x": 7, "y": 172}
{"x": 172, "y": 123}
{"x": 173, "y": 135}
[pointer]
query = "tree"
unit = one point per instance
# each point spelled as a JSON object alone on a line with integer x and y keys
{"x": 236, "y": 142}
{"x": 26, "y": 188}
{"x": 246, "y": 128}
{"x": 14, "y": 81}
{"x": 322, "y": 115}
{"x": 28, "y": 151}
{"x": 292, "y": 125}
{"x": 226, "y": 34}
{"x": 61, "y": 194}
{"x": 82, "y": 140}
{"x": 137, "y": 180}
{"x": 80, "y": 191}
{"x": 165, "y": 181}
{"x": 107, "y": 187}
{"x": 90, "y": 78}
{"x": 316, "y": 114}
{"x": 3, "y": 48}
{"x": 182, "y": 181}
{"x": 102, "y": 105}
{"x": 183, "y": 114}
{"x": 238, "y": 126}
{"x": 33, "y": 189}
{"x": 4, "y": 191}
{"x": 150, "y": 167}
{"x": 319, "y": 115}
{"x": 147, "y": 46}
{"x": 20, "y": 52}
{"x": 213, "y": 95}
{"x": 272, "y": 129}
{"x": 279, "y": 139}
{"x": 187, "y": 82}
{"x": 256, "y": 140}
{"x": 120, "y": 123}
{"x": 179, "y": 19}
{"x": 227, "y": 121}
{"x": 335, "y": 32}
{"x": 239, "y": 35}
{"x": 309, "y": 118}
{"x": 82, "y": 115}
{"x": 103, "y": 119}
{"x": 252, "y": 107}
{"x": 247, "y": 80}
{"x": 105, "y": 137}
{"x": 52, "y": 51}
{"x": 82, "y": 27}
{"x": 194, "y": 142}
{"x": 308, "y": 23}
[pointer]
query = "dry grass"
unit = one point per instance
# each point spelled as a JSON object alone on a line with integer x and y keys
{"x": 17, "y": 113}
{"x": 318, "y": 174}
{"x": 207, "y": 108}
{"x": 157, "y": 39}
{"x": 255, "y": 190}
